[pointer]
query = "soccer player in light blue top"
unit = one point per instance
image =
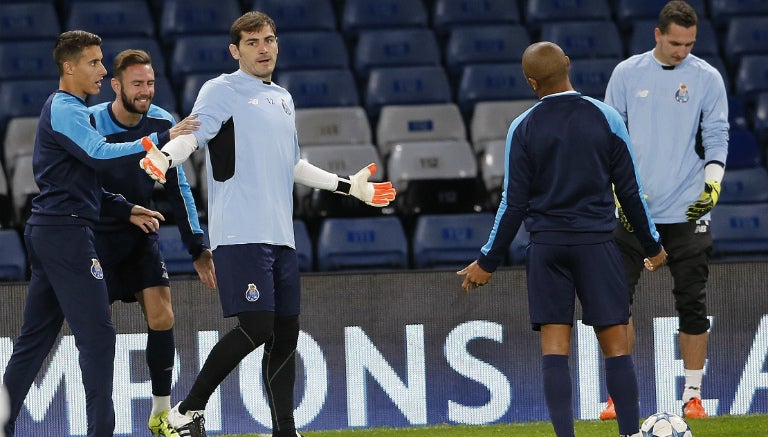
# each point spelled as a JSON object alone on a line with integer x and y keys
{"x": 676, "y": 111}
{"x": 247, "y": 125}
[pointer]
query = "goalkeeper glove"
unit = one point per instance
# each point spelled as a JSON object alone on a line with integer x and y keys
{"x": 156, "y": 162}
{"x": 706, "y": 202}
{"x": 377, "y": 194}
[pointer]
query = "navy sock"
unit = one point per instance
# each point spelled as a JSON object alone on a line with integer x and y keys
{"x": 160, "y": 351}
{"x": 621, "y": 380}
{"x": 557, "y": 392}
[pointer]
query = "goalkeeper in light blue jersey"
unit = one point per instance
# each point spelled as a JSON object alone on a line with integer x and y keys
{"x": 676, "y": 111}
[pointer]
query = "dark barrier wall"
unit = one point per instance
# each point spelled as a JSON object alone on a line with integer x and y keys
{"x": 407, "y": 349}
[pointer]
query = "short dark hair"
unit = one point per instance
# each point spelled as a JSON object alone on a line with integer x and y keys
{"x": 127, "y": 58}
{"x": 250, "y": 22}
{"x": 70, "y": 44}
{"x": 677, "y": 12}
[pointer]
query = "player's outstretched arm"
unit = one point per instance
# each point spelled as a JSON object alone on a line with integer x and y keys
{"x": 377, "y": 194}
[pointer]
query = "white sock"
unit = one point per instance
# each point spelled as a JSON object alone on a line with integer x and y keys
{"x": 160, "y": 404}
{"x": 692, "y": 384}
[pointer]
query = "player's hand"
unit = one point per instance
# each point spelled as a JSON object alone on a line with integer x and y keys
{"x": 373, "y": 193}
{"x": 156, "y": 162}
{"x": 185, "y": 126}
{"x": 205, "y": 268}
{"x": 146, "y": 219}
{"x": 706, "y": 202}
{"x": 655, "y": 262}
{"x": 474, "y": 276}
{"x": 622, "y": 217}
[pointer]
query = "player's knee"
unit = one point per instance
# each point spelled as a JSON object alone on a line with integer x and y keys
{"x": 285, "y": 335}
{"x": 257, "y": 326}
{"x": 161, "y": 320}
{"x": 694, "y": 325}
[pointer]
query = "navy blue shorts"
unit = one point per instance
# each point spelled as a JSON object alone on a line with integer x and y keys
{"x": 258, "y": 277}
{"x": 593, "y": 272}
{"x": 132, "y": 262}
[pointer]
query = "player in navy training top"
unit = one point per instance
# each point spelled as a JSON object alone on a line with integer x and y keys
{"x": 67, "y": 278}
{"x": 563, "y": 154}
{"x": 133, "y": 265}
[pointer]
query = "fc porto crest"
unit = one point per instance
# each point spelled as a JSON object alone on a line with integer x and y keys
{"x": 681, "y": 95}
{"x": 252, "y": 293}
{"x": 96, "y": 269}
{"x": 286, "y": 108}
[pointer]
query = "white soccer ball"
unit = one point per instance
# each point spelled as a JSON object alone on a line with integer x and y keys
{"x": 665, "y": 425}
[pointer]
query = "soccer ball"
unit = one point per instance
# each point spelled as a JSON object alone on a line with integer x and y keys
{"x": 665, "y": 425}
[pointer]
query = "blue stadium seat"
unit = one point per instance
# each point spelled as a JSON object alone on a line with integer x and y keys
{"x": 177, "y": 258}
{"x": 371, "y": 14}
{"x": 629, "y": 11}
{"x": 585, "y": 39}
{"x": 27, "y": 60}
{"x": 541, "y": 11}
{"x": 24, "y": 98}
{"x": 110, "y": 47}
{"x": 484, "y": 44}
{"x": 320, "y": 88}
{"x": 743, "y": 149}
{"x": 112, "y": 18}
{"x": 298, "y": 15}
{"x": 164, "y": 95}
{"x": 745, "y": 185}
{"x": 304, "y": 248}
{"x": 722, "y": 10}
{"x": 29, "y": 21}
{"x": 746, "y": 36}
{"x": 487, "y": 82}
{"x": 717, "y": 62}
{"x": 518, "y": 250}
{"x": 740, "y": 232}
{"x": 368, "y": 243}
{"x": 195, "y": 54}
{"x": 13, "y": 257}
{"x": 395, "y": 48}
{"x": 449, "y": 241}
{"x": 761, "y": 117}
{"x": 590, "y": 76}
{"x": 406, "y": 86}
{"x": 189, "y": 90}
{"x": 449, "y": 13}
{"x": 198, "y": 17}
{"x": 752, "y": 77}
{"x": 301, "y": 50}
{"x": 737, "y": 112}
{"x": 642, "y": 38}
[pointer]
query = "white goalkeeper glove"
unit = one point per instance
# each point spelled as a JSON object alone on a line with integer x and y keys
{"x": 377, "y": 194}
{"x": 156, "y": 162}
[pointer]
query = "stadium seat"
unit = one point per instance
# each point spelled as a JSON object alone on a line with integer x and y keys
{"x": 761, "y": 117}
{"x": 541, "y": 11}
{"x": 642, "y": 38}
{"x": 584, "y": 39}
{"x": 737, "y": 113}
{"x": 304, "y": 248}
{"x": 195, "y": 54}
{"x": 190, "y": 88}
{"x": 590, "y": 76}
{"x": 110, "y": 47}
{"x": 395, "y": 48}
{"x": 24, "y": 98}
{"x": 335, "y": 125}
{"x": 449, "y": 241}
{"x": 717, "y": 62}
{"x": 630, "y": 11}
{"x": 492, "y": 166}
{"x": 409, "y": 123}
{"x": 435, "y": 177}
{"x": 320, "y": 88}
{"x": 112, "y": 18}
{"x": 29, "y": 21}
{"x": 449, "y": 13}
{"x": 723, "y": 10}
{"x": 745, "y": 36}
{"x": 743, "y": 149}
{"x": 488, "y": 82}
{"x": 360, "y": 15}
{"x": 484, "y": 44}
{"x": 312, "y": 50}
{"x": 19, "y": 139}
{"x": 740, "y": 232}
{"x": 518, "y": 250}
{"x": 367, "y": 243}
{"x": 197, "y": 17}
{"x": 22, "y": 60}
{"x": 23, "y": 187}
{"x": 164, "y": 95}
{"x": 491, "y": 120}
{"x": 752, "y": 77}
{"x": 406, "y": 86}
{"x": 6, "y": 201}
{"x": 13, "y": 257}
{"x": 298, "y": 15}
{"x": 745, "y": 185}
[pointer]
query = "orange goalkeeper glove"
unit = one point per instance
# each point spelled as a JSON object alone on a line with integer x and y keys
{"x": 377, "y": 194}
{"x": 156, "y": 162}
